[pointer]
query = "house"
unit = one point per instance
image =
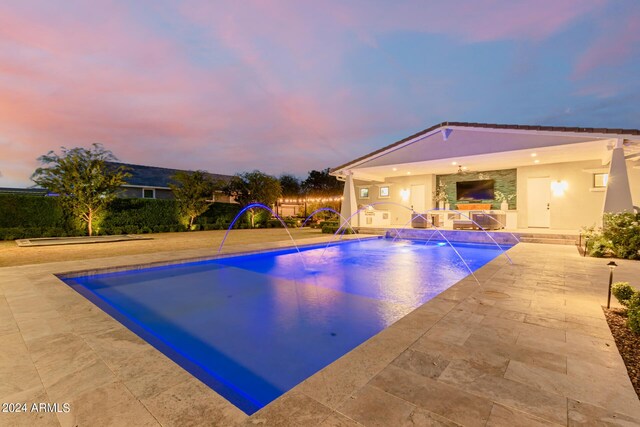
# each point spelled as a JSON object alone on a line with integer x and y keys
{"x": 152, "y": 182}
{"x": 24, "y": 191}
{"x": 557, "y": 178}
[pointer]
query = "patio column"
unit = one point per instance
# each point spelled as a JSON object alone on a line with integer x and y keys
{"x": 617, "y": 196}
{"x": 349, "y": 203}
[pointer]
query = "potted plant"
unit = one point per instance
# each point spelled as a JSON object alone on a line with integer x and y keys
{"x": 440, "y": 195}
{"x": 503, "y": 199}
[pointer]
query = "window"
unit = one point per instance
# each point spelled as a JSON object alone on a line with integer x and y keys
{"x": 384, "y": 191}
{"x": 148, "y": 193}
{"x": 364, "y": 193}
{"x": 600, "y": 180}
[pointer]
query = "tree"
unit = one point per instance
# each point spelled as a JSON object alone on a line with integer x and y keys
{"x": 254, "y": 187}
{"x": 83, "y": 180}
{"x": 291, "y": 186}
{"x": 194, "y": 192}
{"x": 320, "y": 183}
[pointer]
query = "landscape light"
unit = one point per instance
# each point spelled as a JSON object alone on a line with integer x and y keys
{"x": 612, "y": 265}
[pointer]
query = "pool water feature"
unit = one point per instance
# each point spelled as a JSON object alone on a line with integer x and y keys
{"x": 253, "y": 326}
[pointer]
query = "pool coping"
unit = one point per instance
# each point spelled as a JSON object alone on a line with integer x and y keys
{"x": 178, "y": 261}
{"x": 44, "y": 312}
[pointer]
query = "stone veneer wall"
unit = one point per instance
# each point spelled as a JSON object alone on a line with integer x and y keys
{"x": 505, "y": 181}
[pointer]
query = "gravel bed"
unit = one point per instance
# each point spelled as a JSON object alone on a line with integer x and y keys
{"x": 628, "y": 343}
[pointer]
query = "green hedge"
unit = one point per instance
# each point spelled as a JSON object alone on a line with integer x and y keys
{"x": 27, "y": 216}
{"x": 123, "y": 213}
{"x": 135, "y": 216}
{"x": 12, "y": 233}
{"x": 27, "y": 211}
{"x": 218, "y": 212}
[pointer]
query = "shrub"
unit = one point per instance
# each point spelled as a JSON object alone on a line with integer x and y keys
{"x": 333, "y": 226}
{"x": 599, "y": 247}
{"x": 623, "y": 292}
{"x": 633, "y": 312}
{"x": 630, "y": 298}
{"x": 633, "y": 319}
{"x": 292, "y": 222}
{"x": 131, "y": 229}
{"x": 623, "y": 231}
{"x": 219, "y": 212}
{"x": 9, "y": 233}
{"x": 261, "y": 218}
{"x": 620, "y": 237}
{"x": 53, "y": 232}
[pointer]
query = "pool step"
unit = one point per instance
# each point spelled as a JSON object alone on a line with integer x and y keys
{"x": 548, "y": 240}
{"x": 552, "y": 239}
{"x": 502, "y": 236}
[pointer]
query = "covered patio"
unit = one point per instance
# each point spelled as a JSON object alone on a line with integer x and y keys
{"x": 535, "y": 177}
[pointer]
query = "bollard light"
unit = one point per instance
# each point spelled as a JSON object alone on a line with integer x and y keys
{"x": 612, "y": 265}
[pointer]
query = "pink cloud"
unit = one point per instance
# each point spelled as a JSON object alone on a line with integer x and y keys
{"x": 619, "y": 43}
{"x": 74, "y": 73}
{"x": 471, "y": 21}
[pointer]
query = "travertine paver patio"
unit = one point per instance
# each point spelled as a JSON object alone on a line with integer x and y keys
{"x": 529, "y": 346}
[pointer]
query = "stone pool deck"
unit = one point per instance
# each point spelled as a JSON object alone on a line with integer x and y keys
{"x": 528, "y": 346}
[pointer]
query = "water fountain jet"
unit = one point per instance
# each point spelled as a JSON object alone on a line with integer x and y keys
{"x": 470, "y": 219}
{"x": 261, "y": 206}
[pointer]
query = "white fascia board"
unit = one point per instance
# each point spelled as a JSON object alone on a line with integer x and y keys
{"x": 363, "y": 176}
{"x": 593, "y": 135}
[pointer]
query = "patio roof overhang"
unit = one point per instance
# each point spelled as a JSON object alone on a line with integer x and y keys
{"x": 488, "y": 147}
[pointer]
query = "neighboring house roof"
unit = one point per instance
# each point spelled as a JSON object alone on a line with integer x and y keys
{"x": 31, "y": 191}
{"x": 444, "y": 125}
{"x": 153, "y": 176}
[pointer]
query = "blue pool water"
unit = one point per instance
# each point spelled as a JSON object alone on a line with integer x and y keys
{"x": 252, "y": 327}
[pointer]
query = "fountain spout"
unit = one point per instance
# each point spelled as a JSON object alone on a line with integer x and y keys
{"x": 261, "y": 206}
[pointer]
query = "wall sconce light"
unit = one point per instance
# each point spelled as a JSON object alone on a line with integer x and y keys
{"x": 612, "y": 265}
{"x": 404, "y": 194}
{"x": 559, "y": 187}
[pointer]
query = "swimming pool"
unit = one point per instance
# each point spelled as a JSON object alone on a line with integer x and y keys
{"x": 253, "y": 326}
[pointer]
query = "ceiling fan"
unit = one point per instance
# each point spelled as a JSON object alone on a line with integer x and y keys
{"x": 462, "y": 170}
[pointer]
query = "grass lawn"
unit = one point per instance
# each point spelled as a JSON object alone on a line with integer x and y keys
{"x": 12, "y": 255}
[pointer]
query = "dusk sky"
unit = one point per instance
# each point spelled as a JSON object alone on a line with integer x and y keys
{"x": 290, "y": 86}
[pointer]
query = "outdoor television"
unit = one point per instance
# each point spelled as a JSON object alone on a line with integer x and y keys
{"x": 475, "y": 190}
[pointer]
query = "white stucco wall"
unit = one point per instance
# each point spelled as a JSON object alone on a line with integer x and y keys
{"x": 399, "y": 216}
{"x": 579, "y": 206}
